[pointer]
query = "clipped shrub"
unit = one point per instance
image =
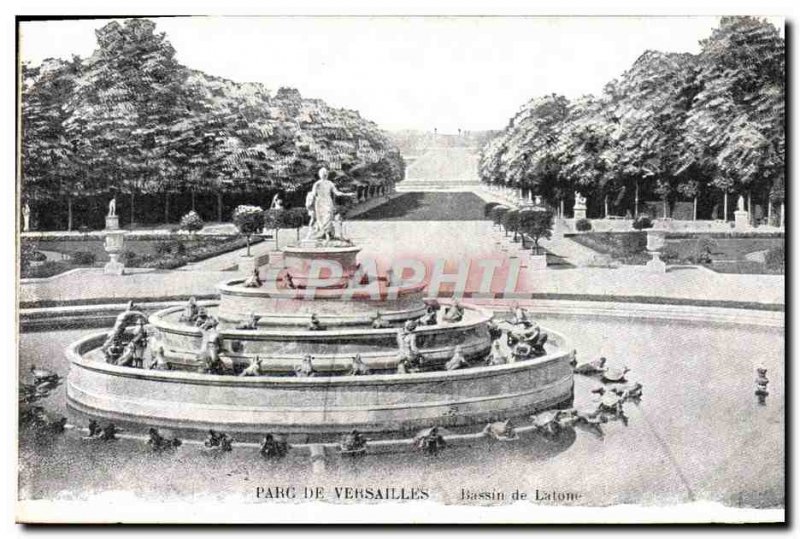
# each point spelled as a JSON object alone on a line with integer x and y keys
{"x": 83, "y": 258}
{"x": 511, "y": 222}
{"x": 249, "y": 220}
{"x": 775, "y": 258}
{"x": 192, "y": 221}
{"x": 631, "y": 243}
{"x": 498, "y": 213}
{"x": 488, "y": 207}
{"x": 642, "y": 222}
{"x": 296, "y": 218}
{"x": 702, "y": 250}
{"x": 538, "y": 225}
{"x": 163, "y": 247}
{"x": 583, "y": 225}
{"x": 27, "y": 253}
{"x": 129, "y": 258}
{"x": 669, "y": 253}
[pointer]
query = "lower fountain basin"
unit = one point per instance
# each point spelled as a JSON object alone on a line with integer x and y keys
{"x": 282, "y": 348}
{"x": 334, "y": 307}
{"x": 371, "y": 403}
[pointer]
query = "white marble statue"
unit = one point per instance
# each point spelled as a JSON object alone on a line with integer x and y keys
{"x": 580, "y": 200}
{"x": 322, "y": 201}
{"x": 277, "y": 202}
{"x": 312, "y": 219}
{"x": 26, "y": 217}
{"x": 112, "y": 208}
{"x": 740, "y": 203}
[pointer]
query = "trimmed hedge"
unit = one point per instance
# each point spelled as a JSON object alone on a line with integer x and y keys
{"x": 642, "y": 222}
{"x": 583, "y": 225}
{"x": 776, "y": 258}
{"x": 488, "y": 207}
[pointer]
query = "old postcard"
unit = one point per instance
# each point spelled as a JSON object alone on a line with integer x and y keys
{"x": 401, "y": 269}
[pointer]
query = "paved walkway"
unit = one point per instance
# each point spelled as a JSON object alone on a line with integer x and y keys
{"x": 452, "y": 241}
{"x": 572, "y": 252}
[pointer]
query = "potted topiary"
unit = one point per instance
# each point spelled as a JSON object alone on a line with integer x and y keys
{"x": 538, "y": 225}
{"x": 296, "y": 218}
{"x": 511, "y": 222}
{"x": 497, "y": 214}
{"x": 642, "y": 222}
{"x": 583, "y": 225}
{"x": 191, "y": 222}
{"x": 274, "y": 219}
{"x": 248, "y": 220}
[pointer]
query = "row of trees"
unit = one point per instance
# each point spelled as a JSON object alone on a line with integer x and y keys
{"x": 674, "y": 126}
{"x": 131, "y": 120}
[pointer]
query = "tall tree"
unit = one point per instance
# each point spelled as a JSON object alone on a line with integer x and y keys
{"x": 125, "y": 104}
{"x": 49, "y": 166}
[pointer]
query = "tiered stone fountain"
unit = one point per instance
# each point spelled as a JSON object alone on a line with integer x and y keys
{"x": 276, "y": 400}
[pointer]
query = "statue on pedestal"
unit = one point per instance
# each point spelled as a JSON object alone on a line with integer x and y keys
{"x": 740, "y": 203}
{"x": 320, "y": 205}
{"x": 580, "y": 200}
{"x": 26, "y": 217}
{"x": 112, "y": 208}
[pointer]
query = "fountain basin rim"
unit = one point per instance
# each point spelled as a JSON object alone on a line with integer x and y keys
{"x": 157, "y": 320}
{"x": 74, "y": 353}
{"x": 298, "y": 249}
{"x": 230, "y": 287}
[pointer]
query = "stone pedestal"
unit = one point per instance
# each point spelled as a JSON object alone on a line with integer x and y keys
{"x": 741, "y": 219}
{"x": 276, "y": 259}
{"x": 656, "y": 239}
{"x": 656, "y": 265}
{"x": 537, "y": 262}
{"x": 112, "y": 222}
{"x": 115, "y": 241}
{"x": 247, "y": 264}
{"x": 580, "y": 213}
{"x": 315, "y": 264}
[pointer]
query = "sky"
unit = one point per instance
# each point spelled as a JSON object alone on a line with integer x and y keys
{"x": 447, "y": 73}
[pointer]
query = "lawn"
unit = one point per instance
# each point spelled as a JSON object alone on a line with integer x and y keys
{"x": 167, "y": 252}
{"x": 727, "y": 255}
{"x": 428, "y": 207}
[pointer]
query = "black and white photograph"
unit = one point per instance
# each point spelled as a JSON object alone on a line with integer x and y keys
{"x": 400, "y": 269}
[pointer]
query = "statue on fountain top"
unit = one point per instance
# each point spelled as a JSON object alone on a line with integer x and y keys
{"x": 580, "y": 200}
{"x": 321, "y": 208}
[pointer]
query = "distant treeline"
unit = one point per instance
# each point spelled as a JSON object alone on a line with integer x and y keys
{"x": 131, "y": 120}
{"x": 673, "y": 127}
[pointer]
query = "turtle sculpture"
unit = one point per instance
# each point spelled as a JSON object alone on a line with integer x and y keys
{"x": 273, "y": 447}
{"x": 430, "y": 441}
{"x": 501, "y": 430}
{"x": 546, "y": 422}
{"x": 353, "y": 444}
{"x": 217, "y": 442}
{"x": 761, "y": 385}
{"x": 614, "y": 375}
{"x": 104, "y": 434}
{"x": 591, "y": 367}
{"x": 157, "y": 442}
{"x": 630, "y": 391}
{"x": 43, "y": 375}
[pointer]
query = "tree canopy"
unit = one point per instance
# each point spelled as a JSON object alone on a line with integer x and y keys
{"x": 673, "y": 125}
{"x": 131, "y": 119}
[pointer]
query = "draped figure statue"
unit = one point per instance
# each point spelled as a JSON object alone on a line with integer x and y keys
{"x": 320, "y": 200}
